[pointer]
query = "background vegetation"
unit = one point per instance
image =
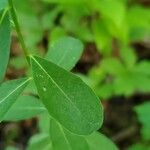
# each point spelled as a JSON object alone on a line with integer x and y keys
{"x": 115, "y": 61}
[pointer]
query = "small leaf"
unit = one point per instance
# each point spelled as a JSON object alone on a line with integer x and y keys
{"x": 63, "y": 139}
{"x": 25, "y": 107}
{"x": 4, "y": 43}
{"x": 65, "y": 52}
{"x": 102, "y": 37}
{"x": 112, "y": 66}
{"x": 143, "y": 113}
{"x": 112, "y": 10}
{"x": 98, "y": 141}
{"x": 9, "y": 92}
{"x": 68, "y": 99}
{"x": 128, "y": 56}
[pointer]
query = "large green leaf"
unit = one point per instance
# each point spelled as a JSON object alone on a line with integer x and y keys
{"x": 68, "y": 99}
{"x": 63, "y": 139}
{"x": 9, "y": 92}
{"x": 4, "y": 43}
{"x": 98, "y": 141}
{"x": 65, "y": 52}
{"x": 25, "y": 107}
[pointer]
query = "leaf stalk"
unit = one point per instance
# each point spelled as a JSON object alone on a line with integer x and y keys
{"x": 17, "y": 27}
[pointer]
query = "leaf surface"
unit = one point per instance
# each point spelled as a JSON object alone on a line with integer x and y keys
{"x": 25, "y": 107}
{"x": 98, "y": 141}
{"x": 63, "y": 139}
{"x": 68, "y": 99}
{"x": 65, "y": 52}
{"x": 9, "y": 92}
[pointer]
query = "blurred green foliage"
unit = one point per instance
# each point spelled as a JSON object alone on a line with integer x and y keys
{"x": 143, "y": 113}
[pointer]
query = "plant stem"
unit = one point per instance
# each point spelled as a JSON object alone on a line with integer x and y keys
{"x": 15, "y": 20}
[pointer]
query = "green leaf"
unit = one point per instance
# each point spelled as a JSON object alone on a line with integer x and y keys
{"x": 9, "y": 92}
{"x": 68, "y": 99}
{"x": 65, "y": 52}
{"x": 143, "y": 112}
{"x": 44, "y": 120}
{"x": 63, "y": 139}
{"x": 105, "y": 90}
{"x": 112, "y": 66}
{"x": 136, "y": 12}
{"x": 128, "y": 56}
{"x": 113, "y": 10}
{"x": 25, "y": 107}
{"x": 56, "y": 33}
{"x": 4, "y": 42}
{"x": 139, "y": 146}
{"x": 142, "y": 67}
{"x": 127, "y": 84}
{"x": 98, "y": 141}
{"x": 102, "y": 37}
{"x": 3, "y": 4}
{"x": 40, "y": 142}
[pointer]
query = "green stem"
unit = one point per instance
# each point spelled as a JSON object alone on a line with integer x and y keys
{"x": 15, "y": 20}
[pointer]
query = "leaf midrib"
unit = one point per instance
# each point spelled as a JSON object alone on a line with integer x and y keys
{"x": 56, "y": 84}
{"x": 63, "y": 56}
{"x": 68, "y": 143}
{"x": 14, "y": 91}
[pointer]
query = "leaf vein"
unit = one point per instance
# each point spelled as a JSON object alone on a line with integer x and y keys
{"x": 14, "y": 90}
{"x": 56, "y": 84}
